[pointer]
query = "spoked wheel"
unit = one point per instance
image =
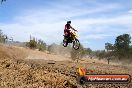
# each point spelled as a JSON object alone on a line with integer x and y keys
{"x": 76, "y": 44}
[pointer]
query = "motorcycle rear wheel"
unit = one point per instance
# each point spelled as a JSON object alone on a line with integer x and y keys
{"x": 65, "y": 43}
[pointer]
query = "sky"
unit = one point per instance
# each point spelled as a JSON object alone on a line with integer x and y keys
{"x": 97, "y": 21}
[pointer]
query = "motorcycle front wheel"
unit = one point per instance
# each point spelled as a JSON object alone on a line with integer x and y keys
{"x": 76, "y": 44}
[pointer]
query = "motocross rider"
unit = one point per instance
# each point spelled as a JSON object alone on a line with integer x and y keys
{"x": 67, "y": 28}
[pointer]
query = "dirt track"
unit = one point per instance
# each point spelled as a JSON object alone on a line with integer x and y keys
{"x": 19, "y": 68}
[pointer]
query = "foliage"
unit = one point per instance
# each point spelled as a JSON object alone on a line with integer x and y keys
{"x": 121, "y": 49}
{"x": 3, "y": 37}
{"x": 87, "y": 51}
{"x": 122, "y": 46}
{"x": 109, "y": 46}
{"x": 78, "y": 54}
{"x": 41, "y": 45}
{"x": 32, "y": 44}
{"x": 99, "y": 53}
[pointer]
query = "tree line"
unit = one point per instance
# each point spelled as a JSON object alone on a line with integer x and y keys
{"x": 121, "y": 49}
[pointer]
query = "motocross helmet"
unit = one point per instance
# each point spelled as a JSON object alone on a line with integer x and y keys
{"x": 68, "y": 22}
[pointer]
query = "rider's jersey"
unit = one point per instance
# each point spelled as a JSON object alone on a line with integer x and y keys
{"x": 67, "y": 27}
